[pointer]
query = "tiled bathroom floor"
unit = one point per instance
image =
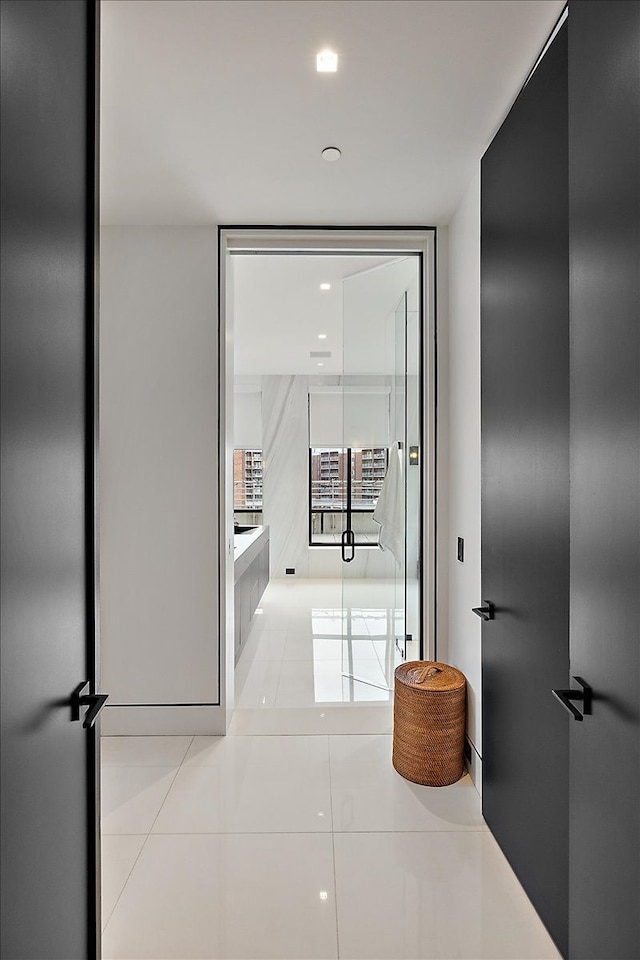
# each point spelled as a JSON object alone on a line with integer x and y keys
{"x": 302, "y": 842}
{"x": 291, "y": 676}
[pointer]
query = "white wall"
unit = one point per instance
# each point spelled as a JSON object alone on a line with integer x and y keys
{"x": 158, "y": 478}
{"x": 463, "y": 646}
{"x": 285, "y": 464}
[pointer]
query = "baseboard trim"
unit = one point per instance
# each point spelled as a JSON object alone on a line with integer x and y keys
{"x": 153, "y": 721}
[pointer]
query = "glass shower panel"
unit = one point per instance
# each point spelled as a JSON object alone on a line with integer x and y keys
{"x": 395, "y": 539}
{"x": 413, "y": 485}
{"x": 379, "y": 381}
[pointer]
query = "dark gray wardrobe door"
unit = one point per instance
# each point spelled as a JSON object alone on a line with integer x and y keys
{"x": 48, "y": 761}
{"x": 525, "y": 486}
{"x": 604, "y": 159}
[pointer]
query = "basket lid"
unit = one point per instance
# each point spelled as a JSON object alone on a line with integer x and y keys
{"x": 430, "y": 675}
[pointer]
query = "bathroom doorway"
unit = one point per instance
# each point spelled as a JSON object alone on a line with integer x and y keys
{"x": 327, "y": 467}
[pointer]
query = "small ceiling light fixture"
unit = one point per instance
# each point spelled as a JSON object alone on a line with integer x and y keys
{"x": 322, "y": 336}
{"x": 325, "y": 286}
{"x": 320, "y": 364}
{"x": 327, "y": 61}
{"x": 331, "y": 154}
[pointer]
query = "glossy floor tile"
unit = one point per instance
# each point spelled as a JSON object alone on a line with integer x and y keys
{"x": 432, "y": 895}
{"x": 293, "y": 836}
{"x": 257, "y": 684}
{"x": 266, "y": 643}
{"x": 144, "y": 751}
{"x": 305, "y": 683}
{"x": 354, "y": 718}
{"x": 368, "y": 794}
{"x": 119, "y": 853}
{"x": 227, "y": 896}
{"x": 310, "y": 645}
{"x": 132, "y": 797}
{"x": 250, "y": 784}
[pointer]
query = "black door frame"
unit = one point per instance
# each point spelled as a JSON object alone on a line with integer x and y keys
{"x": 304, "y": 239}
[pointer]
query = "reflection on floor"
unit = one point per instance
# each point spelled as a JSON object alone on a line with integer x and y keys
{"x": 316, "y": 646}
{"x": 307, "y": 843}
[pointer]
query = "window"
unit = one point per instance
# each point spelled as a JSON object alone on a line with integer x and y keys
{"x": 247, "y": 480}
{"x": 344, "y": 486}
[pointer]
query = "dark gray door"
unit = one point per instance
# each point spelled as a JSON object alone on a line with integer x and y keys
{"x": 49, "y": 825}
{"x": 525, "y": 486}
{"x": 604, "y": 107}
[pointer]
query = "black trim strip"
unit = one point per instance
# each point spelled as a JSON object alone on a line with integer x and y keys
{"x": 107, "y": 706}
{"x": 349, "y": 490}
{"x": 423, "y": 447}
{"x": 330, "y": 229}
{"x": 473, "y": 747}
{"x": 220, "y": 456}
{"x": 283, "y": 252}
{"x": 436, "y": 465}
{"x": 92, "y": 412}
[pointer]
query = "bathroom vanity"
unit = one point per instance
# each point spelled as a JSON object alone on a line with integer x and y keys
{"x": 251, "y": 576}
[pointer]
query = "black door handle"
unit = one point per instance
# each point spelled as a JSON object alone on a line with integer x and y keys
{"x": 485, "y": 612}
{"x": 348, "y": 539}
{"x": 94, "y": 701}
{"x": 584, "y": 696}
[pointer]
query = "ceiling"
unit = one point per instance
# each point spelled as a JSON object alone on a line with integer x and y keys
{"x": 212, "y": 110}
{"x": 279, "y": 310}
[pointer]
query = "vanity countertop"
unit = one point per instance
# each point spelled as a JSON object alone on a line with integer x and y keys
{"x": 246, "y": 546}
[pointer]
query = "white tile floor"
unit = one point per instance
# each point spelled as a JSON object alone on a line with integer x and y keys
{"x": 296, "y": 658}
{"x": 294, "y": 837}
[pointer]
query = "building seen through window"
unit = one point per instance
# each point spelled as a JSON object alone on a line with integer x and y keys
{"x": 247, "y": 480}
{"x": 344, "y": 486}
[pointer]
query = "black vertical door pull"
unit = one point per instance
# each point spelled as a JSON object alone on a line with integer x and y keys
{"x": 348, "y": 541}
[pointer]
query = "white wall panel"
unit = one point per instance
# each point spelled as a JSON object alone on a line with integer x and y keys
{"x": 158, "y": 466}
{"x": 285, "y": 461}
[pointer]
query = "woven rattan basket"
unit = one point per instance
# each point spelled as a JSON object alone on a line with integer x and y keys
{"x": 428, "y": 722}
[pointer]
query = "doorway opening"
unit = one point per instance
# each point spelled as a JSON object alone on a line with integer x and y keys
{"x": 327, "y": 453}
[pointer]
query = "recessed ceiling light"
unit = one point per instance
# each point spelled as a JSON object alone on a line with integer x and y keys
{"x": 325, "y": 286}
{"x": 320, "y": 364}
{"x": 327, "y": 61}
{"x": 331, "y": 154}
{"x": 322, "y": 336}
